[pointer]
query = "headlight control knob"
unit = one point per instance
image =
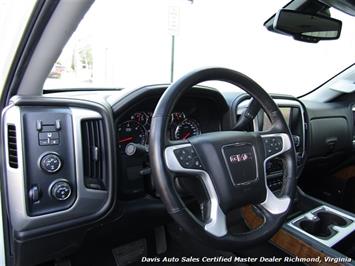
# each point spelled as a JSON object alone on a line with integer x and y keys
{"x": 61, "y": 190}
{"x": 51, "y": 163}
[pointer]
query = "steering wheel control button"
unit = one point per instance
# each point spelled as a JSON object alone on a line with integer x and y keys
{"x": 272, "y": 145}
{"x": 296, "y": 140}
{"x": 197, "y": 164}
{"x": 61, "y": 190}
{"x": 187, "y": 158}
{"x": 51, "y": 163}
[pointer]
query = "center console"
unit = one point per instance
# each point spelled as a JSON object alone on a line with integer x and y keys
{"x": 325, "y": 225}
{"x": 315, "y": 233}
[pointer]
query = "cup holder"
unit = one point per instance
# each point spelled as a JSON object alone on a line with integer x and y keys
{"x": 322, "y": 225}
{"x": 331, "y": 218}
{"x": 325, "y": 225}
{"x": 316, "y": 228}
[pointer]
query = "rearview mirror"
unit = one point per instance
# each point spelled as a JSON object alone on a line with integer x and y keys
{"x": 306, "y": 27}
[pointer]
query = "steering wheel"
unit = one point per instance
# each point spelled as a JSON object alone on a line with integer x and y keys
{"x": 230, "y": 164}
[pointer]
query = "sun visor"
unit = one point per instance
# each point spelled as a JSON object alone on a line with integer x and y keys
{"x": 343, "y": 85}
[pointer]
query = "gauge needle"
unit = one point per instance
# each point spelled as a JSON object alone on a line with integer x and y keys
{"x": 125, "y": 139}
{"x": 187, "y": 134}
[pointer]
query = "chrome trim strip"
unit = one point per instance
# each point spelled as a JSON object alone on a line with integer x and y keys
{"x": 342, "y": 231}
{"x": 2, "y": 238}
{"x": 291, "y": 103}
{"x": 353, "y": 129}
{"x": 88, "y": 201}
{"x": 216, "y": 225}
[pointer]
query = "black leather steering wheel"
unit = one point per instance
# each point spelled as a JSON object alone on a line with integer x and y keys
{"x": 230, "y": 164}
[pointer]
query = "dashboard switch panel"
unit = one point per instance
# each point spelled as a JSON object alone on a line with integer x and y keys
{"x": 49, "y": 157}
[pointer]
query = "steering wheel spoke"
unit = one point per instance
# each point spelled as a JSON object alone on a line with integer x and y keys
{"x": 182, "y": 158}
{"x": 216, "y": 223}
{"x": 275, "y": 144}
{"x": 274, "y": 204}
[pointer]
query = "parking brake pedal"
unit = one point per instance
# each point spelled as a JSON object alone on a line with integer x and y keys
{"x": 160, "y": 239}
{"x": 62, "y": 262}
{"x": 130, "y": 253}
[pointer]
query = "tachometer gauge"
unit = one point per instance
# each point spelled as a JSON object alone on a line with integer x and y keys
{"x": 131, "y": 131}
{"x": 187, "y": 129}
{"x": 177, "y": 117}
{"x": 140, "y": 117}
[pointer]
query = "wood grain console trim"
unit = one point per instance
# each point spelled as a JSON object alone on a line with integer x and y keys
{"x": 286, "y": 241}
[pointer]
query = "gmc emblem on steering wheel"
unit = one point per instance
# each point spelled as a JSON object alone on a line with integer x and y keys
{"x": 237, "y": 158}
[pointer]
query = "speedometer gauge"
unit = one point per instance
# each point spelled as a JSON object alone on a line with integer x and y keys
{"x": 187, "y": 129}
{"x": 131, "y": 132}
{"x": 140, "y": 117}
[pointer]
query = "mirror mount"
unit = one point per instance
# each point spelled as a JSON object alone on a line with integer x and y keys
{"x": 306, "y": 27}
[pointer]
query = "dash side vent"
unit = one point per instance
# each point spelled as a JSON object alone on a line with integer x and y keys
{"x": 94, "y": 154}
{"x": 12, "y": 146}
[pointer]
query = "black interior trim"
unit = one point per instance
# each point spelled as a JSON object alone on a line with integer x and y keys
{"x": 108, "y": 125}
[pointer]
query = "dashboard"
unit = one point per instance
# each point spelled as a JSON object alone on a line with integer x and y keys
{"x": 193, "y": 116}
{"x": 97, "y": 178}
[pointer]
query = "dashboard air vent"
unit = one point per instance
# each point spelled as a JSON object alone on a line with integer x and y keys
{"x": 93, "y": 154}
{"x": 12, "y": 146}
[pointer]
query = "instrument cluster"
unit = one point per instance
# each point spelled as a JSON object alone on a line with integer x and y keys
{"x": 136, "y": 130}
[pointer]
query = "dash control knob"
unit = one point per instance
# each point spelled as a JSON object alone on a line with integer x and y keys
{"x": 51, "y": 163}
{"x": 61, "y": 190}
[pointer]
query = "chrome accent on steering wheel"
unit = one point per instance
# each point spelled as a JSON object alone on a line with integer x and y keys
{"x": 272, "y": 203}
{"x": 216, "y": 224}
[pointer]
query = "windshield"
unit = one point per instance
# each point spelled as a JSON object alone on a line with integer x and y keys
{"x": 130, "y": 43}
